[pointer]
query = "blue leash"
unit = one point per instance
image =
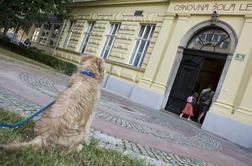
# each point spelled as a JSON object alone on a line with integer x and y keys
{"x": 27, "y": 119}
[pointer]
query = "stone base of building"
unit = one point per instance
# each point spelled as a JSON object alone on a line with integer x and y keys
{"x": 229, "y": 129}
{"x": 133, "y": 92}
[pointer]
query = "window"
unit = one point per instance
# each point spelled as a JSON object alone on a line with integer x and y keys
{"x": 216, "y": 38}
{"x": 87, "y": 36}
{"x": 35, "y": 34}
{"x": 45, "y": 34}
{"x": 54, "y": 35}
{"x": 211, "y": 39}
{"x": 110, "y": 40}
{"x": 141, "y": 45}
{"x": 69, "y": 33}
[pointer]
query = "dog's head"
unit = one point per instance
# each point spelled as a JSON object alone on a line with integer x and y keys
{"x": 93, "y": 64}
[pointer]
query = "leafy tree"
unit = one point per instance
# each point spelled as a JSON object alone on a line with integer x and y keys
{"x": 22, "y": 13}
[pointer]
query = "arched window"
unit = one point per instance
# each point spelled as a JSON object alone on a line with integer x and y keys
{"x": 211, "y": 39}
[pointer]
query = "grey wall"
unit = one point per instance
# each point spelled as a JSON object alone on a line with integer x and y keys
{"x": 232, "y": 130}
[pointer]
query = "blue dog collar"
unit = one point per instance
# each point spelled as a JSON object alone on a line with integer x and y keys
{"x": 88, "y": 74}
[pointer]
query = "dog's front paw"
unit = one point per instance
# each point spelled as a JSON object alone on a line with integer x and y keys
{"x": 75, "y": 148}
{"x": 79, "y": 148}
{"x": 87, "y": 141}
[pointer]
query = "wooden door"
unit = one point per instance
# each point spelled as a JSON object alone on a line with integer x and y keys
{"x": 184, "y": 82}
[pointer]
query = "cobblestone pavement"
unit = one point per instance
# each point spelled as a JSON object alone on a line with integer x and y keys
{"x": 156, "y": 136}
{"x": 151, "y": 155}
{"x": 11, "y": 101}
{"x": 120, "y": 116}
{"x": 40, "y": 83}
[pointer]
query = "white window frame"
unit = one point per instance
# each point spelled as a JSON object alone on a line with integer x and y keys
{"x": 87, "y": 35}
{"x": 138, "y": 42}
{"x": 69, "y": 33}
{"x": 114, "y": 27}
{"x": 35, "y": 34}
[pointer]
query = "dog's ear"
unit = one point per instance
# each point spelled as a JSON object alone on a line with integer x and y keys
{"x": 100, "y": 68}
{"x": 86, "y": 57}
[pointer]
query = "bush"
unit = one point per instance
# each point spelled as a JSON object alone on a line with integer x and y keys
{"x": 58, "y": 64}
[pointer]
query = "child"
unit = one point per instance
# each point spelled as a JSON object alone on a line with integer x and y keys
{"x": 188, "y": 110}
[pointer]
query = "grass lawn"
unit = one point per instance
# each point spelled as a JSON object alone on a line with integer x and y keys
{"x": 91, "y": 155}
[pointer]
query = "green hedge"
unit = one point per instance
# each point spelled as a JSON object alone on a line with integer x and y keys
{"x": 33, "y": 53}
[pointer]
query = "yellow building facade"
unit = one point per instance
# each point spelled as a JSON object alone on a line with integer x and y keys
{"x": 158, "y": 52}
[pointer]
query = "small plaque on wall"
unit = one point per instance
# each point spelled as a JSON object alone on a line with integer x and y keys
{"x": 239, "y": 57}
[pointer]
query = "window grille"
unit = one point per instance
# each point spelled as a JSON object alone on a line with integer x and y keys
{"x": 141, "y": 45}
{"x": 110, "y": 40}
{"x": 86, "y": 37}
{"x": 212, "y": 39}
{"x": 69, "y": 34}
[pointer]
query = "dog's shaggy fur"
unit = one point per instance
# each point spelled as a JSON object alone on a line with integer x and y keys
{"x": 67, "y": 122}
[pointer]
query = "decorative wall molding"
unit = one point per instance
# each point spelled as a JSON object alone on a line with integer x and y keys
{"x": 147, "y": 17}
{"x": 81, "y": 3}
{"x": 124, "y": 37}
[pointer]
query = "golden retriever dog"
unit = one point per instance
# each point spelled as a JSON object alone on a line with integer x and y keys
{"x": 67, "y": 122}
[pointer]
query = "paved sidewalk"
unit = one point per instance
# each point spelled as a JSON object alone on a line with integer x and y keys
{"x": 156, "y": 136}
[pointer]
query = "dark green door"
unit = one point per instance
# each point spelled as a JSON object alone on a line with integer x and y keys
{"x": 184, "y": 82}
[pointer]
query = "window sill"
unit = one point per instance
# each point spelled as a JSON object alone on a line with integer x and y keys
{"x": 124, "y": 65}
{"x": 69, "y": 51}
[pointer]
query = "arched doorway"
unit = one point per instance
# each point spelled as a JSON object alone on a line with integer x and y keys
{"x": 204, "y": 58}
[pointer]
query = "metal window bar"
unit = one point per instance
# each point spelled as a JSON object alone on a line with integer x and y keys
{"x": 110, "y": 39}
{"x": 133, "y": 57}
{"x": 212, "y": 35}
{"x": 35, "y": 34}
{"x": 144, "y": 50}
{"x": 113, "y": 40}
{"x": 107, "y": 41}
{"x": 219, "y": 39}
{"x": 202, "y": 43}
{"x": 220, "y": 43}
{"x": 69, "y": 34}
{"x": 145, "y": 47}
{"x": 84, "y": 43}
{"x": 138, "y": 42}
{"x": 86, "y": 37}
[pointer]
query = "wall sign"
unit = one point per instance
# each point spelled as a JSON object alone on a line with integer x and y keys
{"x": 223, "y": 7}
{"x": 239, "y": 57}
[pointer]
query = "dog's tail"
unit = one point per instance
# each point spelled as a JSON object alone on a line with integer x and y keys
{"x": 35, "y": 143}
